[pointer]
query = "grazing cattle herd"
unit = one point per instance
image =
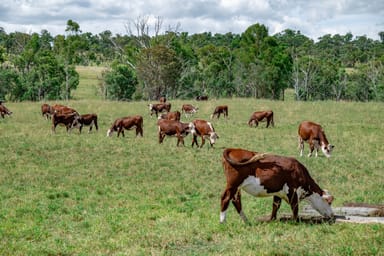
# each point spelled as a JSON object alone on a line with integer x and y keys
{"x": 259, "y": 174}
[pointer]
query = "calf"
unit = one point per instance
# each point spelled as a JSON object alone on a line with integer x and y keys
{"x": 261, "y": 116}
{"x": 220, "y": 110}
{"x": 314, "y": 134}
{"x": 127, "y": 123}
{"x": 70, "y": 121}
{"x": 88, "y": 120}
{"x": 173, "y": 128}
{"x": 46, "y": 111}
{"x": 188, "y": 110}
{"x": 159, "y": 107}
{"x": 203, "y": 129}
{"x": 264, "y": 175}
{"x": 4, "y": 110}
{"x": 171, "y": 116}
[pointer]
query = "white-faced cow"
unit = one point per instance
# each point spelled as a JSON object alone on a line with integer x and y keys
{"x": 46, "y": 111}
{"x": 171, "y": 116}
{"x": 220, "y": 110}
{"x": 156, "y": 108}
{"x": 263, "y": 175}
{"x": 261, "y": 116}
{"x": 188, "y": 110}
{"x": 70, "y": 121}
{"x": 205, "y": 130}
{"x": 4, "y": 110}
{"x": 127, "y": 123}
{"x": 314, "y": 134}
{"x": 173, "y": 128}
{"x": 88, "y": 120}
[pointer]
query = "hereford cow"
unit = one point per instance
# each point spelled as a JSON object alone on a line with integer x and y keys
{"x": 261, "y": 116}
{"x": 173, "y": 128}
{"x": 70, "y": 121}
{"x": 314, "y": 134}
{"x": 88, "y": 120}
{"x": 220, "y": 110}
{"x": 188, "y": 110}
{"x": 159, "y": 107}
{"x": 264, "y": 175}
{"x": 202, "y": 97}
{"x": 127, "y": 123}
{"x": 171, "y": 116}
{"x": 4, "y": 110}
{"x": 205, "y": 130}
{"x": 46, "y": 111}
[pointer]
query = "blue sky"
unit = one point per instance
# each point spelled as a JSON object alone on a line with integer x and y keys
{"x": 312, "y": 18}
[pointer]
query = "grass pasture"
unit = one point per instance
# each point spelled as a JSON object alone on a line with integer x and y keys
{"x": 86, "y": 194}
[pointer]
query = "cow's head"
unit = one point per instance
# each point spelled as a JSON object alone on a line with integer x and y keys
{"x": 150, "y": 106}
{"x": 213, "y": 137}
{"x": 109, "y": 132}
{"x": 322, "y": 203}
{"x": 327, "y": 149}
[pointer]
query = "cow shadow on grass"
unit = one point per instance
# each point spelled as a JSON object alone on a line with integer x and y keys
{"x": 310, "y": 220}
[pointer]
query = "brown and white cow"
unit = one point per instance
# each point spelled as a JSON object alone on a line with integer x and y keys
{"x": 173, "y": 128}
{"x": 314, "y": 134}
{"x": 220, "y": 110}
{"x": 205, "y": 130}
{"x": 70, "y": 121}
{"x": 4, "y": 110}
{"x": 127, "y": 123}
{"x": 188, "y": 110}
{"x": 171, "y": 116}
{"x": 261, "y": 116}
{"x": 263, "y": 175}
{"x": 46, "y": 111}
{"x": 202, "y": 97}
{"x": 88, "y": 120}
{"x": 159, "y": 107}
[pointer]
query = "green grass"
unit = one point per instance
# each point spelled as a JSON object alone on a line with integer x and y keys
{"x": 86, "y": 194}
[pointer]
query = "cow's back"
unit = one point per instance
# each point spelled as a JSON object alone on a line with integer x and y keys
{"x": 308, "y": 129}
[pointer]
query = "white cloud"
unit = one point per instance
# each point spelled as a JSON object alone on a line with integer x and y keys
{"x": 312, "y": 18}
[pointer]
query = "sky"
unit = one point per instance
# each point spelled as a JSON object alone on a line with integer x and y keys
{"x": 313, "y": 19}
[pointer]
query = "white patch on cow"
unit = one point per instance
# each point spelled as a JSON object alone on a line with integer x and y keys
{"x": 192, "y": 128}
{"x": 109, "y": 132}
{"x": 252, "y": 186}
{"x": 223, "y": 216}
{"x": 320, "y": 204}
{"x": 150, "y": 107}
{"x": 301, "y": 193}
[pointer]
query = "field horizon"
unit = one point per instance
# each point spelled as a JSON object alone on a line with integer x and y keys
{"x": 89, "y": 194}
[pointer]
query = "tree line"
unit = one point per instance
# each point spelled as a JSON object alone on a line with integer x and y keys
{"x": 149, "y": 63}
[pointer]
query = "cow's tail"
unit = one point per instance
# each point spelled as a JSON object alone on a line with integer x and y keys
{"x": 256, "y": 157}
